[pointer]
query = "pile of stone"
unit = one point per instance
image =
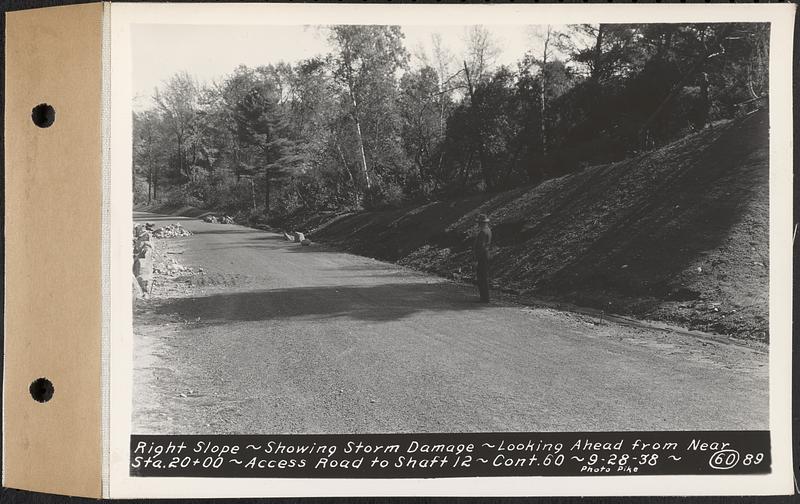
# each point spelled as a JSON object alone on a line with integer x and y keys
{"x": 150, "y": 263}
{"x": 171, "y": 231}
{"x": 297, "y": 237}
{"x": 143, "y": 252}
{"x": 224, "y": 219}
{"x": 172, "y": 268}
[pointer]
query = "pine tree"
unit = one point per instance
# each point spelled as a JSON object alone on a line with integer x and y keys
{"x": 263, "y": 126}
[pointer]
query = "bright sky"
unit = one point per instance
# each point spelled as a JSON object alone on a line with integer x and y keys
{"x": 211, "y": 52}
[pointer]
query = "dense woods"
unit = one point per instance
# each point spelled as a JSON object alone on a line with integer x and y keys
{"x": 369, "y": 125}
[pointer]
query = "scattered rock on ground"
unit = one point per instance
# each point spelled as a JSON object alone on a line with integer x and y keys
{"x": 171, "y": 231}
{"x": 214, "y": 219}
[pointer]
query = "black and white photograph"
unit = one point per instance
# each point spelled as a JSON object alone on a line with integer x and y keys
{"x": 451, "y": 228}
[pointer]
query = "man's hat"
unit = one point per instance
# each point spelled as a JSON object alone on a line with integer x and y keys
{"x": 481, "y": 218}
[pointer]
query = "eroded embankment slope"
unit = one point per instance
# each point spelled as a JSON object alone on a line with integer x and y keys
{"x": 679, "y": 234}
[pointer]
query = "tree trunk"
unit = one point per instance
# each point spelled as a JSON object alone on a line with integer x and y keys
{"x": 155, "y": 184}
{"x": 266, "y": 195}
{"x": 598, "y": 56}
{"x": 356, "y": 117}
{"x": 253, "y": 193}
{"x": 463, "y": 174}
{"x": 237, "y": 169}
{"x": 356, "y": 198}
{"x": 362, "y": 153}
{"x": 479, "y": 132}
{"x": 439, "y": 169}
{"x": 441, "y": 112}
{"x": 180, "y": 157}
{"x": 149, "y": 182}
{"x": 543, "y": 104}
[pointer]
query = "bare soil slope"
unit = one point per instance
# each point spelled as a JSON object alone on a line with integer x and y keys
{"x": 678, "y": 235}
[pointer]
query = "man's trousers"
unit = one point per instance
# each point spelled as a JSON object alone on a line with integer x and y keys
{"x": 483, "y": 279}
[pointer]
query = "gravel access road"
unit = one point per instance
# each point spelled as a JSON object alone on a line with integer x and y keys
{"x": 272, "y": 337}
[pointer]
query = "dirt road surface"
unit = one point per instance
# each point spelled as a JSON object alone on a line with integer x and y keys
{"x": 271, "y": 337}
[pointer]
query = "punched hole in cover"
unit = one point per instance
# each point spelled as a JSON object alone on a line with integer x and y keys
{"x": 41, "y": 390}
{"x": 43, "y": 115}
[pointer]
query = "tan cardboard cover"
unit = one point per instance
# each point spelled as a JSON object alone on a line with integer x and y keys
{"x": 53, "y": 250}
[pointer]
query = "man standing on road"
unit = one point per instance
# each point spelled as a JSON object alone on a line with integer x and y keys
{"x": 481, "y": 249}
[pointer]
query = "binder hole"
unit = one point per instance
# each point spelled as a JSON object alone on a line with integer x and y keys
{"x": 43, "y": 115}
{"x": 41, "y": 390}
